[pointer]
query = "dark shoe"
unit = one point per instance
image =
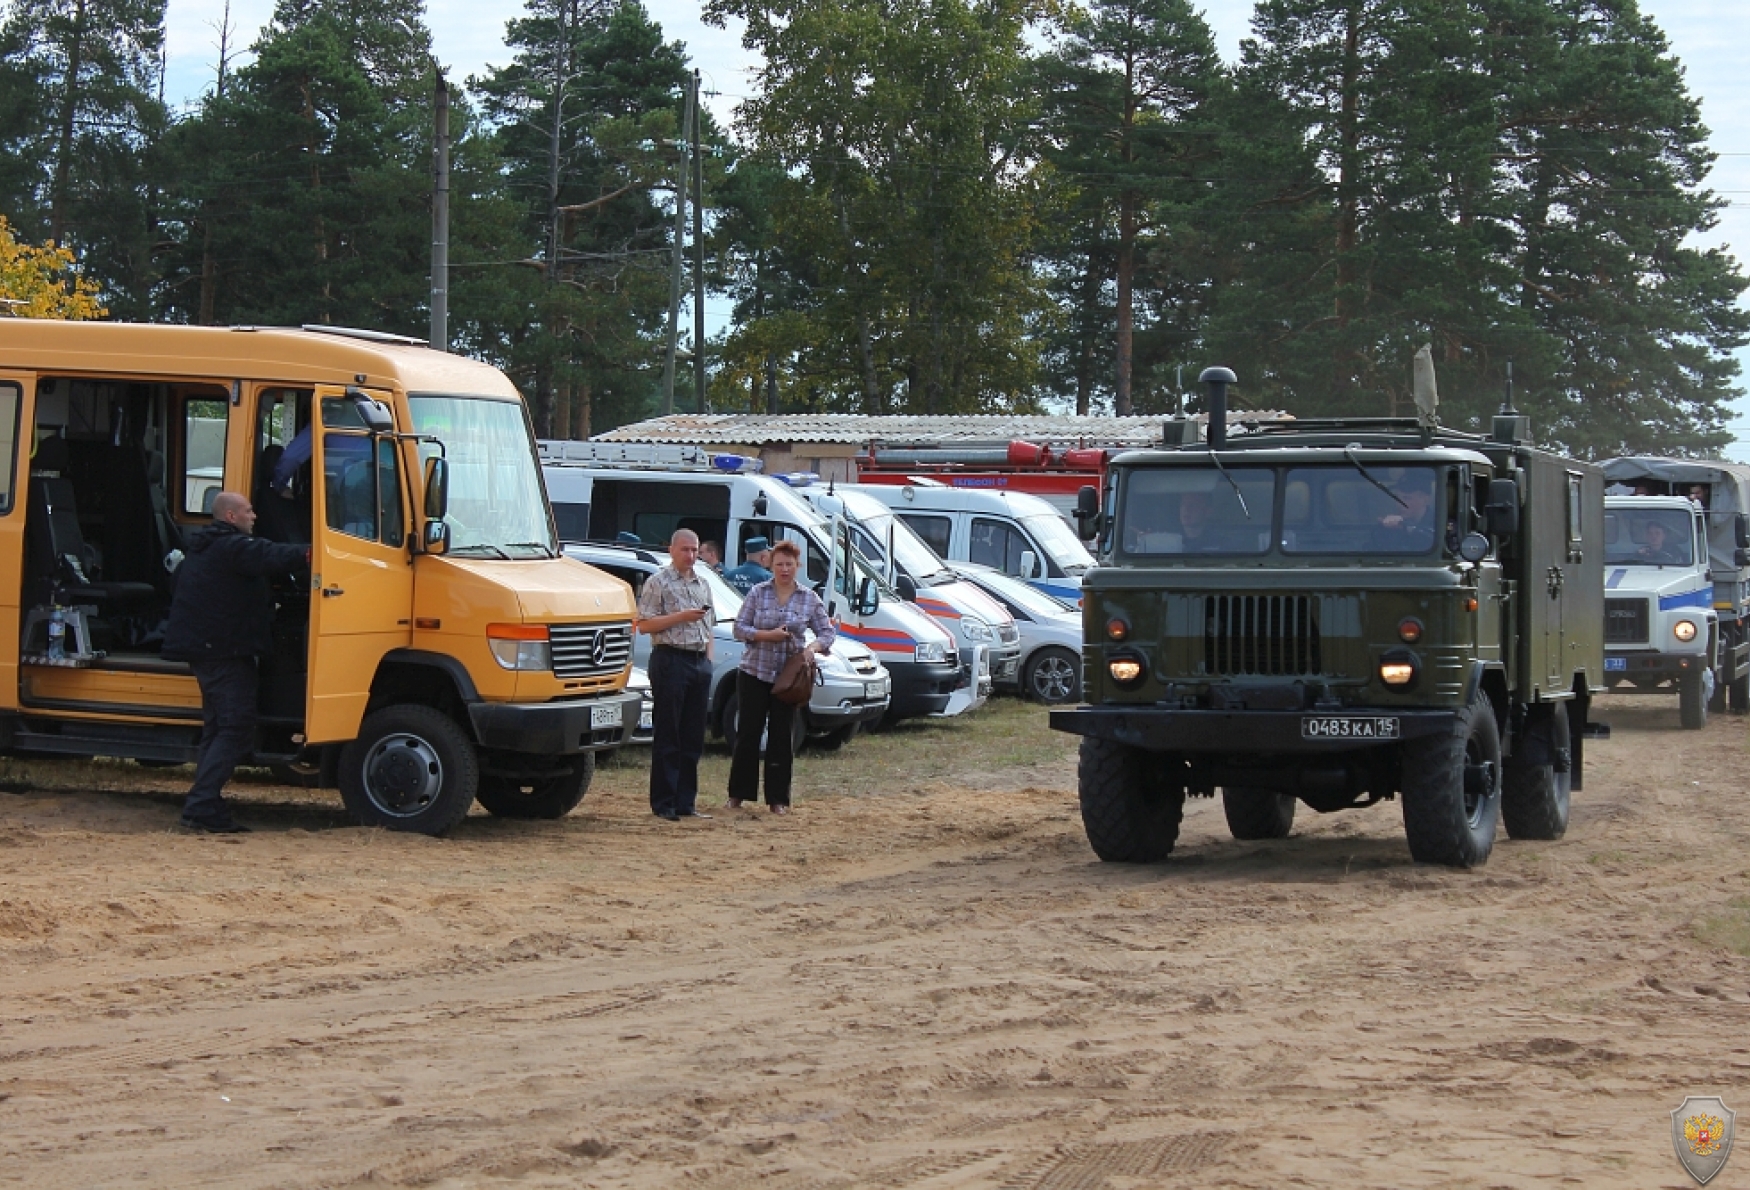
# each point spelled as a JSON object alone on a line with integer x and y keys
{"x": 694, "y": 814}
{"x": 670, "y": 815}
{"x": 214, "y": 826}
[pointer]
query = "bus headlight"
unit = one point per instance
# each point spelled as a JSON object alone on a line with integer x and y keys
{"x": 1684, "y": 630}
{"x": 520, "y": 646}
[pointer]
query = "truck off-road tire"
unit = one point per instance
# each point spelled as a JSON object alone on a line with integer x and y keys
{"x": 412, "y": 768}
{"x": 1131, "y": 806}
{"x": 1257, "y": 813}
{"x": 1053, "y": 676}
{"x": 1451, "y": 789}
{"x": 554, "y": 797}
{"x": 1534, "y": 797}
{"x": 1692, "y": 702}
{"x": 1716, "y": 702}
{"x": 732, "y": 725}
{"x": 1738, "y": 694}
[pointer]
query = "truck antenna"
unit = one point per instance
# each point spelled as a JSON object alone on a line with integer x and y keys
{"x": 1507, "y": 399}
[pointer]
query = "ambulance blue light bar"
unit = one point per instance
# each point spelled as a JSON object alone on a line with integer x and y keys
{"x": 800, "y": 479}
{"x": 737, "y": 464}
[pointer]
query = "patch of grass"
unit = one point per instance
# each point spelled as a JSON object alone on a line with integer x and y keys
{"x": 1728, "y": 929}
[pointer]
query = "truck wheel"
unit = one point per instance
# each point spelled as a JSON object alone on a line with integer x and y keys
{"x": 1257, "y": 813}
{"x": 1451, "y": 788}
{"x": 1053, "y": 676}
{"x": 411, "y": 769}
{"x": 1534, "y": 797}
{"x": 732, "y": 726}
{"x": 1738, "y": 694}
{"x": 1692, "y": 702}
{"x": 1131, "y": 808}
{"x": 554, "y": 797}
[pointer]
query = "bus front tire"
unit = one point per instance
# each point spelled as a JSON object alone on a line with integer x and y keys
{"x": 551, "y": 797}
{"x": 412, "y": 768}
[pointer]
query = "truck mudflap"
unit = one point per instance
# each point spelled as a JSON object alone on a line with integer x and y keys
{"x": 556, "y": 728}
{"x": 1157, "y": 729}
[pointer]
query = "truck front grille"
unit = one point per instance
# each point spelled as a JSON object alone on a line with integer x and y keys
{"x": 589, "y": 650}
{"x": 1625, "y": 621}
{"x": 1261, "y": 634}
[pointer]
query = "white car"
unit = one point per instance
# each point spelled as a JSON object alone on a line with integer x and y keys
{"x": 1051, "y": 634}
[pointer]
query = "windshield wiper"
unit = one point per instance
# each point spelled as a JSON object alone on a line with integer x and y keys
{"x": 546, "y": 550}
{"x": 1368, "y": 476}
{"x": 1241, "y": 496}
{"x": 496, "y": 551}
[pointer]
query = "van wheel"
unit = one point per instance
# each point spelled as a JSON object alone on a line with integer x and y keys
{"x": 1257, "y": 813}
{"x": 1054, "y": 676}
{"x": 1534, "y": 797}
{"x": 552, "y": 797}
{"x": 1131, "y": 805}
{"x": 411, "y": 769}
{"x": 1692, "y": 702}
{"x": 1452, "y": 789}
{"x": 732, "y": 724}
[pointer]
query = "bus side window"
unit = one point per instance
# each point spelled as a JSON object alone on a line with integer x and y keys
{"x": 11, "y": 399}
{"x": 202, "y": 440}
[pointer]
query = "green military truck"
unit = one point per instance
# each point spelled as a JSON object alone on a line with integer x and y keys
{"x": 1336, "y": 612}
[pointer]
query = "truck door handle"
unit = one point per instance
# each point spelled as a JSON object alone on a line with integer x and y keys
{"x": 1555, "y": 581}
{"x": 331, "y": 592}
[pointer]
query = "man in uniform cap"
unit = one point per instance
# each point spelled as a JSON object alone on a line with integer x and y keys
{"x": 757, "y": 568}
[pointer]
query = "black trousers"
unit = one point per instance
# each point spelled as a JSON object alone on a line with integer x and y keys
{"x": 680, "y": 685}
{"x": 228, "y": 694}
{"x": 759, "y": 710}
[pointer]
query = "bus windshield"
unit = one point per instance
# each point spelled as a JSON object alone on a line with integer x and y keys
{"x": 497, "y": 508}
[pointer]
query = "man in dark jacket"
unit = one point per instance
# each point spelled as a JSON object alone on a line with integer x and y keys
{"x": 221, "y": 621}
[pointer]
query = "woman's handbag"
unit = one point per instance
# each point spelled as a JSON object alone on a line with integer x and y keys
{"x": 795, "y": 682}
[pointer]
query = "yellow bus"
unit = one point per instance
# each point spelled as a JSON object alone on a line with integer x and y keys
{"x": 440, "y": 650}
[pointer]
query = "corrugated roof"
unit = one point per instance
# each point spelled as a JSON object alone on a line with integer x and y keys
{"x": 853, "y": 429}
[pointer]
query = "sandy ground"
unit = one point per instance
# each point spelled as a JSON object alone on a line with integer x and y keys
{"x": 921, "y": 978}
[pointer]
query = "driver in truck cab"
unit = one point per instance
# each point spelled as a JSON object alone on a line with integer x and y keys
{"x": 1655, "y": 546}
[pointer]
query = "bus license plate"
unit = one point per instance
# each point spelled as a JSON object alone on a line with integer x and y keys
{"x": 1614, "y": 663}
{"x": 608, "y": 716}
{"x": 1348, "y": 727}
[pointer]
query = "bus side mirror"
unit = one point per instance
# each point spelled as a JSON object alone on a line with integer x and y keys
{"x": 1088, "y": 513}
{"x": 437, "y": 488}
{"x": 868, "y": 598}
{"x": 375, "y": 414}
{"x": 1741, "y": 524}
{"x": 437, "y": 537}
{"x": 1501, "y": 513}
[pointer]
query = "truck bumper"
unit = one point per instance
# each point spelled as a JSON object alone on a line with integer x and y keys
{"x": 921, "y": 688}
{"x": 1625, "y": 668}
{"x": 1240, "y": 732}
{"x": 554, "y": 728}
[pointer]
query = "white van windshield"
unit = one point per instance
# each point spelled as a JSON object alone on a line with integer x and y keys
{"x": 1648, "y": 537}
{"x": 914, "y": 557}
{"x": 1059, "y": 542}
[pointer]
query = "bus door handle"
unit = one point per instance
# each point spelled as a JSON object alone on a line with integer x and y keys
{"x": 331, "y": 592}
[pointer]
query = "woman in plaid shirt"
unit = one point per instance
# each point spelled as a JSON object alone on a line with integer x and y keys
{"x": 773, "y": 621}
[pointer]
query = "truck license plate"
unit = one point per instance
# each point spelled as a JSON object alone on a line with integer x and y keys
{"x": 1348, "y": 727}
{"x": 1612, "y": 663}
{"x": 608, "y": 716}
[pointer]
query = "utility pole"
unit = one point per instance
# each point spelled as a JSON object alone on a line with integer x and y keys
{"x": 698, "y": 257}
{"x": 440, "y": 221}
{"x": 680, "y": 247}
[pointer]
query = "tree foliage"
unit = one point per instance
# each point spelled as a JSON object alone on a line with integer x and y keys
{"x": 43, "y": 282}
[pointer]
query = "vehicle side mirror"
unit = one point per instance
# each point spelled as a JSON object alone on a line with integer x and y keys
{"x": 1741, "y": 557}
{"x": 1742, "y": 525}
{"x": 907, "y": 586}
{"x": 437, "y": 537}
{"x": 437, "y": 488}
{"x": 868, "y": 598}
{"x": 1501, "y": 512}
{"x": 1029, "y": 564}
{"x": 1088, "y": 513}
{"x": 375, "y": 414}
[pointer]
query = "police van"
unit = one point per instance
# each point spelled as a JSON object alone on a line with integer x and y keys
{"x": 640, "y": 495}
{"x": 1016, "y": 533}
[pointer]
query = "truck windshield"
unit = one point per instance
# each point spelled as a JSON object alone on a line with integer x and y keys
{"x": 497, "y": 509}
{"x": 1171, "y": 512}
{"x": 1339, "y": 510}
{"x": 1648, "y": 537}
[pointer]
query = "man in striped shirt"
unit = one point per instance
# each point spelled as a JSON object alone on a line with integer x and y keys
{"x": 675, "y": 610}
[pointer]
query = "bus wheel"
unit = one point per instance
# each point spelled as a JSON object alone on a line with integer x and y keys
{"x": 550, "y": 797}
{"x": 1131, "y": 805}
{"x": 411, "y": 769}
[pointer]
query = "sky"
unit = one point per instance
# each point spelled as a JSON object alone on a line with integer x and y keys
{"x": 1707, "y": 36}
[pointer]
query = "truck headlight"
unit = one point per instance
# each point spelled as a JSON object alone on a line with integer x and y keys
{"x": 520, "y": 646}
{"x": 975, "y": 631}
{"x": 1397, "y": 668}
{"x": 933, "y": 650}
{"x": 1126, "y": 670}
{"x": 1684, "y": 630}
